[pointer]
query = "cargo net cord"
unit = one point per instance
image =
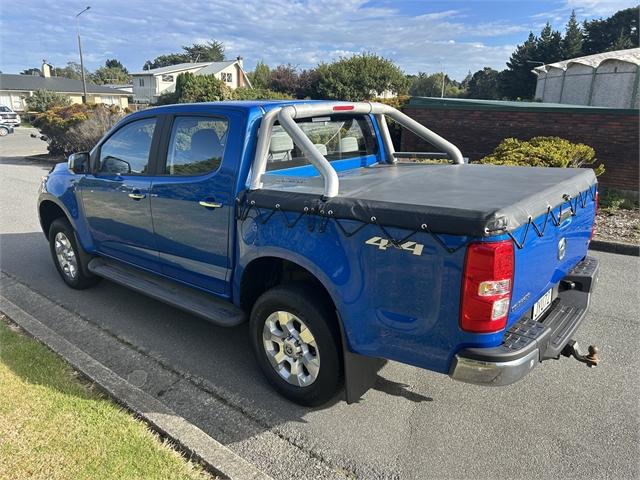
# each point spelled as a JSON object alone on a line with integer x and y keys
{"x": 574, "y": 203}
{"x": 317, "y": 216}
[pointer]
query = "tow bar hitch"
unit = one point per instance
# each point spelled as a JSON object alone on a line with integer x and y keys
{"x": 572, "y": 349}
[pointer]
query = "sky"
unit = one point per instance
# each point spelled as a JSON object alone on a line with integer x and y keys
{"x": 418, "y": 35}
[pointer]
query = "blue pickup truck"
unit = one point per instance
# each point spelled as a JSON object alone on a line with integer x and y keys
{"x": 302, "y": 219}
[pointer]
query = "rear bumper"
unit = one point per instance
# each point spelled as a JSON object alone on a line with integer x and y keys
{"x": 528, "y": 342}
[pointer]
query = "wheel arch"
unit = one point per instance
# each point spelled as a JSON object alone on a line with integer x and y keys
{"x": 48, "y": 211}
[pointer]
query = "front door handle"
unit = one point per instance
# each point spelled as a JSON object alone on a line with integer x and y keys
{"x": 136, "y": 195}
{"x": 209, "y": 204}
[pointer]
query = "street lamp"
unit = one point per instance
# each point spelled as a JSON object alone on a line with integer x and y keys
{"x": 84, "y": 81}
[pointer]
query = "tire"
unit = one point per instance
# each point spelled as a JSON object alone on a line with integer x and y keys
{"x": 306, "y": 347}
{"x": 4, "y": 132}
{"x": 67, "y": 257}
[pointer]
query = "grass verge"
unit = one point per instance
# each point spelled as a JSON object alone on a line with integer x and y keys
{"x": 54, "y": 426}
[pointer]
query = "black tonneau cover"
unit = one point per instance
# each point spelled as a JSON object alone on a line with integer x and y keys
{"x": 469, "y": 199}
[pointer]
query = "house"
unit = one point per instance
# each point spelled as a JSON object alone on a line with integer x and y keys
{"x": 15, "y": 88}
{"x": 607, "y": 79}
{"x": 148, "y": 85}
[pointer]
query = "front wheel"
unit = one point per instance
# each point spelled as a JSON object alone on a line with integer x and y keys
{"x": 66, "y": 256}
{"x": 4, "y": 131}
{"x": 296, "y": 343}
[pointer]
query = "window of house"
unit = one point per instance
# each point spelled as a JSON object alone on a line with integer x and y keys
{"x": 196, "y": 146}
{"x": 167, "y": 78}
{"x": 337, "y": 137}
{"x": 127, "y": 150}
{"x": 141, "y": 82}
{"x": 227, "y": 77}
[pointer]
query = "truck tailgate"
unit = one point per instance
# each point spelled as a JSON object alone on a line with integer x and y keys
{"x": 547, "y": 248}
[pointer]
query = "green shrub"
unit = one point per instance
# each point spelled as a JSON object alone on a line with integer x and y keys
{"x": 76, "y": 128}
{"x": 543, "y": 152}
{"x": 43, "y": 100}
{"x": 259, "y": 94}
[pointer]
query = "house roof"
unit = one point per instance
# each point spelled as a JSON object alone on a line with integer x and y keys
{"x": 26, "y": 83}
{"x": 631, "y": 55}
{"x": 215, "y": 67}
{"x": 172, "y": 68}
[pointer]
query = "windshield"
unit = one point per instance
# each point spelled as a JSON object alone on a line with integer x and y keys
{"x": 5, "y": 109}
{"x": 337, "y": 137}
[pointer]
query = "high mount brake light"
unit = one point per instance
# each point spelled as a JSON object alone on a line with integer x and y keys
{"x": 339, "y": 108}
{"x": 486, "y": 286}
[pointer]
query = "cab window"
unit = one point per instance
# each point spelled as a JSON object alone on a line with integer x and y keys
{"x": 196, "y": 146}
{"x": 127, "y": 150}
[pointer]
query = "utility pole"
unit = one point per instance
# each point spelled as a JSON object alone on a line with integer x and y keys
{"x": 84, "y": 80}
{"x": 442, "y": 71}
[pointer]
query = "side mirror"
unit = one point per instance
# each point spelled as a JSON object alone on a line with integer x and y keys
{"x": 78, "y": 162}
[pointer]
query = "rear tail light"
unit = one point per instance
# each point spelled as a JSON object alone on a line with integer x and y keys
{"x": 593, "y": 228}
{"x": 486, "y": 286}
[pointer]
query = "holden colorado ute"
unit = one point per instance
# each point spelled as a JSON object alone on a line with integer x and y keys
{"x": 299, "y": 218}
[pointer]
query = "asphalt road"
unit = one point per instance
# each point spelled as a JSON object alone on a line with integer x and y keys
{"x": 563, "y": 421}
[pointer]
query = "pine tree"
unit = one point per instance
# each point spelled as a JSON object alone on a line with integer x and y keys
{"x": 572, "y": 41}
{"x": 517, "y": 81}
{"x": 549, "y": 45}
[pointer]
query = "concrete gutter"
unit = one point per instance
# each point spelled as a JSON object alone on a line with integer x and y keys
{"x": 191, "y": 440}
{"x": 615, "y": 247}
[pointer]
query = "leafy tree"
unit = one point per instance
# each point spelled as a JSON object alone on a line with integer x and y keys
{"x": 114, "y": 63}
{"x": 211, "y": 51}
{"x": 572, "y": 41}
{"x": 43, "y": 100}
{"x": 425, "y": 85}
{"x": 308, "y": 84}
{"x": 484, "y": 84}
{"x": 619, "y": 30}
{"x": 260, "y": 76}
{"x": 72, "y": 70}
{"x": 360, "y": 77}
{"x": 105, "y": 75}
{"x": 200, "y": 88}
{"x": 31, "y": 71}
{"x": 284, "y": 78}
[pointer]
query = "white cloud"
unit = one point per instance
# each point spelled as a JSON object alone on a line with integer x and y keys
{"x": 598, "y": 8}
{"x": 300, "y": 32}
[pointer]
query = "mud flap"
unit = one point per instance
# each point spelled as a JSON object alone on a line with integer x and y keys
{"x": 360, "y": 372}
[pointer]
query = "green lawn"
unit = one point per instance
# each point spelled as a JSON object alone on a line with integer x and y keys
{"x": 54, "y": 426}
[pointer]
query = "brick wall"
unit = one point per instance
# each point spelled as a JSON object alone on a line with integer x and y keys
{"x": 478, "y": 131}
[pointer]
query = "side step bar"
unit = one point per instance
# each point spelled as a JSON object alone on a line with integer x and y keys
{"x": 215, "y": 310}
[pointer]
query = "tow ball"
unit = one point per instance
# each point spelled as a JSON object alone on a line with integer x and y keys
{"x": 572, "y": 349}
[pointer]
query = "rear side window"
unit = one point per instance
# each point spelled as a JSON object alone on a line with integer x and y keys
{"x": 196, "y": 146}
{"x": 337, "y": 137}
{"x": 127, "y": 150}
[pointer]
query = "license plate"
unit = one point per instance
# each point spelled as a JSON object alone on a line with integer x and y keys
{"x": 541, "y": 305}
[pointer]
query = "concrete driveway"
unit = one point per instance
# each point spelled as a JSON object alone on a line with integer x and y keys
{"x": 20, "y": 143}
{"x": 564, "y": 421}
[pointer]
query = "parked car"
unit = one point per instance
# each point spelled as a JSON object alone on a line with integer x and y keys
{"x": 297, "y": 217}
{"x": 8, "y": 116}
{"x": 5, "y": 129}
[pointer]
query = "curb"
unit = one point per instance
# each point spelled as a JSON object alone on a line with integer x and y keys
{"x": 615, "y": 247}
{"x": 187, "y": 437}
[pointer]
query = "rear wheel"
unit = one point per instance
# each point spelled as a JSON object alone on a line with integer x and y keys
{"x": 296, "y": 343}
{"x": 66, "y": 256}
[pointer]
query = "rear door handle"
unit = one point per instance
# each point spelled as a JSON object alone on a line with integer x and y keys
{"x": 209, "y": 204}
{"x": 136, "y": 195}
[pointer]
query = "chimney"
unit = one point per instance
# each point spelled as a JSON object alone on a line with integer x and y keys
{"x": 46, "y": 70}
{"x": 240, "y": 62}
